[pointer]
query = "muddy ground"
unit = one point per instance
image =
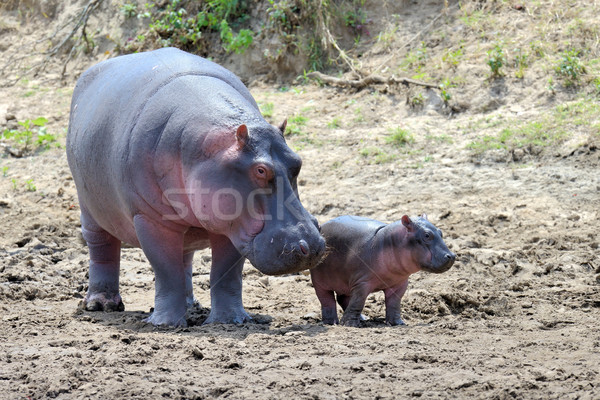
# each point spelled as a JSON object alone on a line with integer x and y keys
{"x": 516, "y": 317}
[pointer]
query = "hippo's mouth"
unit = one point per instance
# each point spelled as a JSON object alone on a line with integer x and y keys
{"x": 438, "y": 269}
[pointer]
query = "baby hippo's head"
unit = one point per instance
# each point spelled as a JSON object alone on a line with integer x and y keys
{"x": 425, "y": 240}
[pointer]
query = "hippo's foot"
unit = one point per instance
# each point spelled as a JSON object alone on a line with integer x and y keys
{"x": 166, "y": 319}
{"x": 103, "y": 302}
{"x": 237, "y": 316}
{"x": 395, "y": 322}
{"x": 351, "y": 320}
{"x": 329, "y": 316}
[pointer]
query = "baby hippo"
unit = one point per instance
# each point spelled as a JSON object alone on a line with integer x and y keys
{"x": 365, "y": 256}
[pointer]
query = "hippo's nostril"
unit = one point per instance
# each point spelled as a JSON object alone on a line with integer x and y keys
{"x": 303, "y": 247}
{"x": 450, "y": 256}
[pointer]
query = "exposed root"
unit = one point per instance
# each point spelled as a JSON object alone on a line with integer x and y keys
{"x": 368, "y": 80}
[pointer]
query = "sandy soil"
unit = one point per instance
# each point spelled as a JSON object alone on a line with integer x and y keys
{"x": 516, "y": 317}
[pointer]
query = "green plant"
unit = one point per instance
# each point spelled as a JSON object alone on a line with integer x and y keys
{"x": 496, "y": 60}
{"x": 520, "y": 63}
{"x": 4, "y": 171}
{"x": 30, "y": 185}
{"x": 175, "y": 26}
{"x": 267, "y": 109}
{"x": 298, "y": 119}
{"x": 550, "y": 86}
{"x": 417, "y": 100}
{"x": 453, "y": 57}
{"x": 14, "y": 183}
{"x": 358, "y": 115}
{"x": 30, "y": 129}
{"x": 376, "y": 155}
{"x": 399, "y": 137}
{"x": 386, "y": 38}
{"x": 334, "y": 123}
{"x": 570, "y": 68}
{"x": 415, "y": 59}
{"x": 129, "y": 10}
{"x": 294, "y": 124}
{"x": 444, "y": 93}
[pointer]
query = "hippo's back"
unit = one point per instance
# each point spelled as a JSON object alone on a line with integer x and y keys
{"x": 350, "y": 229}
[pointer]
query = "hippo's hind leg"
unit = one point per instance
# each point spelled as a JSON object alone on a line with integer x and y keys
{"x": 352, "y": 314}
{"x": 226, "y": 283}
{"x": 164, "y": 249}
{"x": 105, "y": 252}
{"x": 343, "y": 301}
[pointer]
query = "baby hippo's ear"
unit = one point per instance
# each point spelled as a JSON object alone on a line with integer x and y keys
{"x": 406, "y": 221}
{"x": 424, "y": 216}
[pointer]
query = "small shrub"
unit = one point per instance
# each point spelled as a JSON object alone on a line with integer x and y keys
{"x": 570, "y": 68}
{"x": 129, "y": 10}
{"x": 496, "y": 60}
{"x": 444, "y": 93}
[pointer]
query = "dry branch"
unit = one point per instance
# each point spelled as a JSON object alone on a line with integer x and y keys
{"x": 80, "y": 23}
{"x": 368, "y": 80}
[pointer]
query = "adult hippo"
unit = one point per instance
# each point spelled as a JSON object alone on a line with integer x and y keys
{"x": 170, "y": 153}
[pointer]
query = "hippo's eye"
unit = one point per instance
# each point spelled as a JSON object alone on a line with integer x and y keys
{"x": 428, "y": 235}
{"x": 263, "y": 174}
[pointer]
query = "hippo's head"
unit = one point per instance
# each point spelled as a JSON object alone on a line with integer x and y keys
{"x": 247, "y": 190}
{"x": 427, "y": 245}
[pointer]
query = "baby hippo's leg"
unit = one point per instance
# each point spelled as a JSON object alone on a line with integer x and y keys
{"x": 343, "y": 301}
{"x": 328, "y": 307}
{"x": 352, "y": 314}
{"x": 393, "y": 296}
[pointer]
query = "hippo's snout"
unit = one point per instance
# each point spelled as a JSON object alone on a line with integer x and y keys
{"x": 447, "y": 263}
{"x": 287, "y": 250}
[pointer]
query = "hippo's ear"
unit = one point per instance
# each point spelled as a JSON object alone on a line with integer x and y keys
{"x": 424, "y": 216}
{"x": 282, "y": 127}
{"x": 406, "y": 221}
{"x": 242, "y": 135}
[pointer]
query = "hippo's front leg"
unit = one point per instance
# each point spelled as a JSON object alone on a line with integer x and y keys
{"x": 393, "y": 296}
{"x": 226, "y": 283}
{"x": 164, "y": 249}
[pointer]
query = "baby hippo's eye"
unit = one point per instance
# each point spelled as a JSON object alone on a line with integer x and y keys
{"x": 261, "y": 172}
{"x": 428, "y": 235}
